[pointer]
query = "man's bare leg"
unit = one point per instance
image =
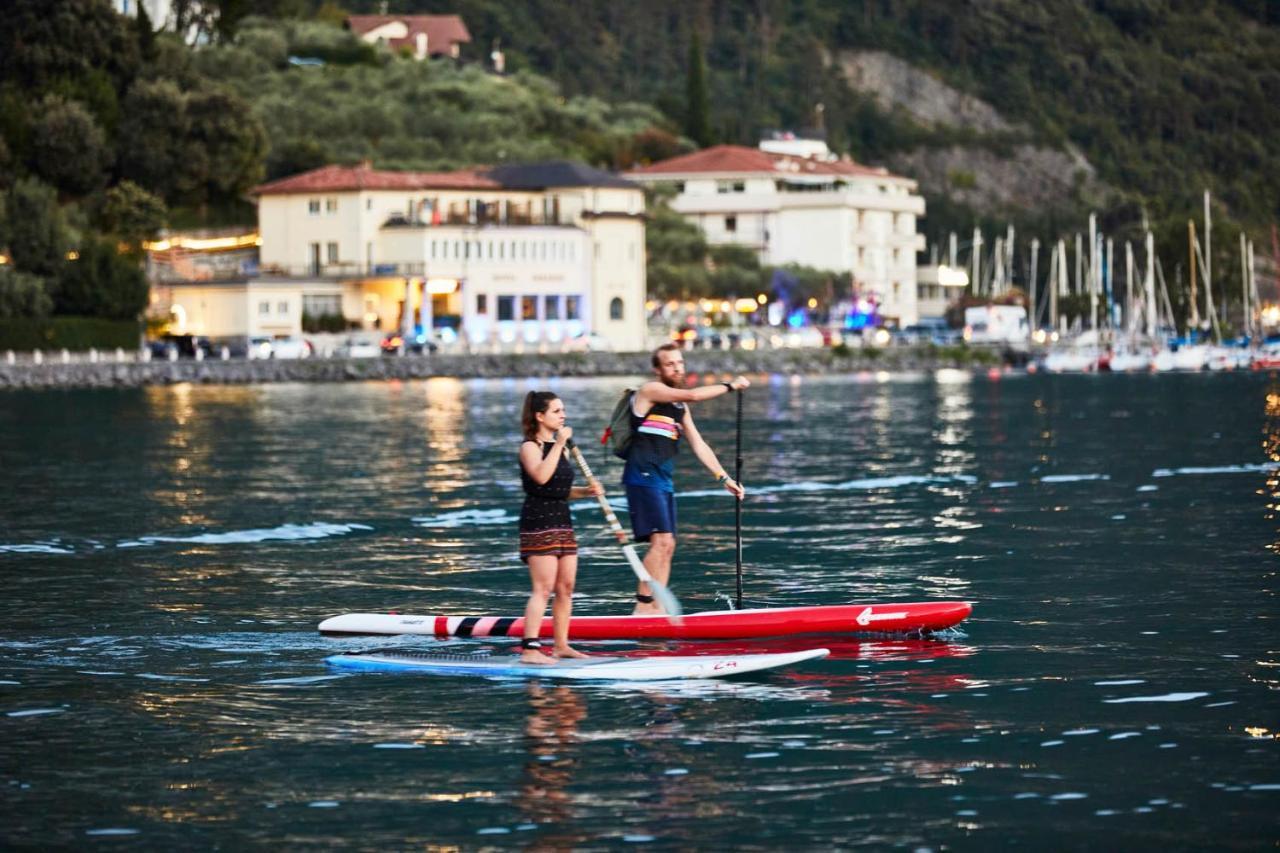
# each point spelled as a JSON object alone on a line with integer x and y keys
{"x": 657, "y": 562}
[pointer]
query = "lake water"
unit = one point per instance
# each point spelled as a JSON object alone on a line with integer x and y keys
{"x": 167, "y": 553}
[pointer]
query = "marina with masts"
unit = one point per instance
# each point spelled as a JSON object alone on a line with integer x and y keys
{"x": 1112, "y": 307}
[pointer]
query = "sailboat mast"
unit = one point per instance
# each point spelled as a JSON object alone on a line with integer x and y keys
{"x": 1193, "y": 320}
{"x": 1035, "y": 256}
{"x": 977, "y": 261}
{"x": 1150, "y": 283}
{"x": 1093, "y": 271}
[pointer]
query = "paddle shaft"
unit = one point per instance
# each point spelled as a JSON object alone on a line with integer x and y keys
{"x": 737, "y": 503}
{"x": 660, "y": 592}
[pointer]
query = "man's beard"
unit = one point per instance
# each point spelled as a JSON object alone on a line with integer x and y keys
{"x": 670, "y": 383}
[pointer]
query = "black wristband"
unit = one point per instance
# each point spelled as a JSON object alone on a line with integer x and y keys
{"x": 728, "y": 385}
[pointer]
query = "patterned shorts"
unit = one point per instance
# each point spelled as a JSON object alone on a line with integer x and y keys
{"x": 556, "y": 542}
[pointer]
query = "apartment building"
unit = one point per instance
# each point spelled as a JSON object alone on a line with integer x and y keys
{"x": 536, "y": 253}
{"x": 794, "y": 202}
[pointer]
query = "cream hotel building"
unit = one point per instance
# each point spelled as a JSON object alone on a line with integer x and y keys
{"x": 515, "y": 255}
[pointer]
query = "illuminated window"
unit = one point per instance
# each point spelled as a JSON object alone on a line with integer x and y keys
{"x": 528, "y": 307}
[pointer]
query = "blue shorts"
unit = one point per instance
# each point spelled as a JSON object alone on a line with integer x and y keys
{"x": 652, "y": 511}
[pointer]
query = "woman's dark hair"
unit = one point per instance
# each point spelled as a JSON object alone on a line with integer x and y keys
{"x": 535, "y": 403}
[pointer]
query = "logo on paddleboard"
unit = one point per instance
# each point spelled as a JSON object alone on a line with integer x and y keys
{"x": 866, "y": 617}
{"x": 725, "y": 664}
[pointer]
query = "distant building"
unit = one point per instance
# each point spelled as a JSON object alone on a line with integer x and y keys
{"x": 938, "y": 286}
{"x": 423, "y": 35}
{"x": 531, "y": 254}
{"x": 792, "y": 201}
{"x": 164, "y": 16}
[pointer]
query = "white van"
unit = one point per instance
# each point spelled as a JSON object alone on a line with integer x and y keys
{"x": 996, "y": 324}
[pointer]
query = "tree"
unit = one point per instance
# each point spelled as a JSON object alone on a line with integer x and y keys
{"x": 697, "y": 117}
{"x": 296, "y": 155}
{"x": 227, "y": 145}
{"x": 22, "y": 295}
{"x": 101, "y": 282}
{"x": 154, "y": 149}
{"x": 69, "y": 150}
{"x": 34, "y": 228}
{"x": 131, "y": 213}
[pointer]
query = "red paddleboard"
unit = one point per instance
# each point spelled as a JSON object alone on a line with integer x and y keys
{"x": 711, "y": 625}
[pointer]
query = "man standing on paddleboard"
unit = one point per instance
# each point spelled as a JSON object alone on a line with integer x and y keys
{"x": 659, "y": 417}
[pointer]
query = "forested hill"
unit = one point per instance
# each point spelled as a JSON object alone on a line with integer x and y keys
{"x": 1163, "y": 97}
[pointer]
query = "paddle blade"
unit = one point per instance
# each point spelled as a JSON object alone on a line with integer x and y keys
{"x": 668, "y": 601}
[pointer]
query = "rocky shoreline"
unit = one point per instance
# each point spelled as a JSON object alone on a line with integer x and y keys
{"x": 130, "y": 374}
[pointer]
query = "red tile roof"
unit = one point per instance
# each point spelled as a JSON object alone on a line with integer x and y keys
{"x": 739, "y": 160}
{"x": 365, "y": 177}
{"x": 442, "y": 31}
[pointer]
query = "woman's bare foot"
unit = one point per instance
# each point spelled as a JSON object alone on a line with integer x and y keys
{"x": 536, "y": 657}
{"x": 567, "y": 652}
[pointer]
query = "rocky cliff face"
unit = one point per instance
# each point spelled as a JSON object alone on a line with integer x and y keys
{"x": 897, "y": 84}
{"x": 990, "y": 175}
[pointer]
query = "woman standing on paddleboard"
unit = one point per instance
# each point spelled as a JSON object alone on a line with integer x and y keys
{"x": 547, "y": 543}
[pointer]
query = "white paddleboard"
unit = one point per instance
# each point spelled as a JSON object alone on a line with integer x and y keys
{"x": 592, "y": 668}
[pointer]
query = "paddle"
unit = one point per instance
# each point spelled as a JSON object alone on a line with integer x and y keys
{"x": 737, "y": 503}
{"x": 660, "y": 592}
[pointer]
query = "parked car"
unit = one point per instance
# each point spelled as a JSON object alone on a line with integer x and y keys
{"x": 589, "y": 342}
{"x": 180, "y": 346}
{"x": 259, "y": 348}
{"x": 396, "y": 344}
{"x": 353, "y": 347}
{"x": 291, "y": 347}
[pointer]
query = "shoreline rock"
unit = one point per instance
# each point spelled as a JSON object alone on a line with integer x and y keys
{"x": 474, "y": 366}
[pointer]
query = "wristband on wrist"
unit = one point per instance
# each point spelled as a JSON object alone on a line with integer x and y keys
{"x": 721, "y": 477}
{"x": 728, "y": 385}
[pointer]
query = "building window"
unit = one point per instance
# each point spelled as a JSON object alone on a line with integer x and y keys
{"x": 264, "y": 308}
{"x": 282, "y": 308}
{"x": 313, "y": 207}
{"x": 551, "y": 307}
{"x": 330, "y": 205}
{"x": 482, "y": 303}
{"x": 571, "y": 311}
{"x": 506, "y": 307}
{"x": 731, "y": 224}
{"x": 528, "y": 307}
{"x": 615, "y": 308}
{"x": 333, "y": 253}
{"x": 317, "y": 306}
{"x": 368, "y": 204}
{"x": 433, "y": 250}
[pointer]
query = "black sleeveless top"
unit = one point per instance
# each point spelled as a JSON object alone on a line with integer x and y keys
{"x": 546, "y": 505}
{"x": 655, "y": 440}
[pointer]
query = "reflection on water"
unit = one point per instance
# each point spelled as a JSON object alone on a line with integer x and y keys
{"x": 551, "y": 734}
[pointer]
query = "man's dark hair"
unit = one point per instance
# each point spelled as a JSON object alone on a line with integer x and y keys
{"x": 664, "y": 348}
